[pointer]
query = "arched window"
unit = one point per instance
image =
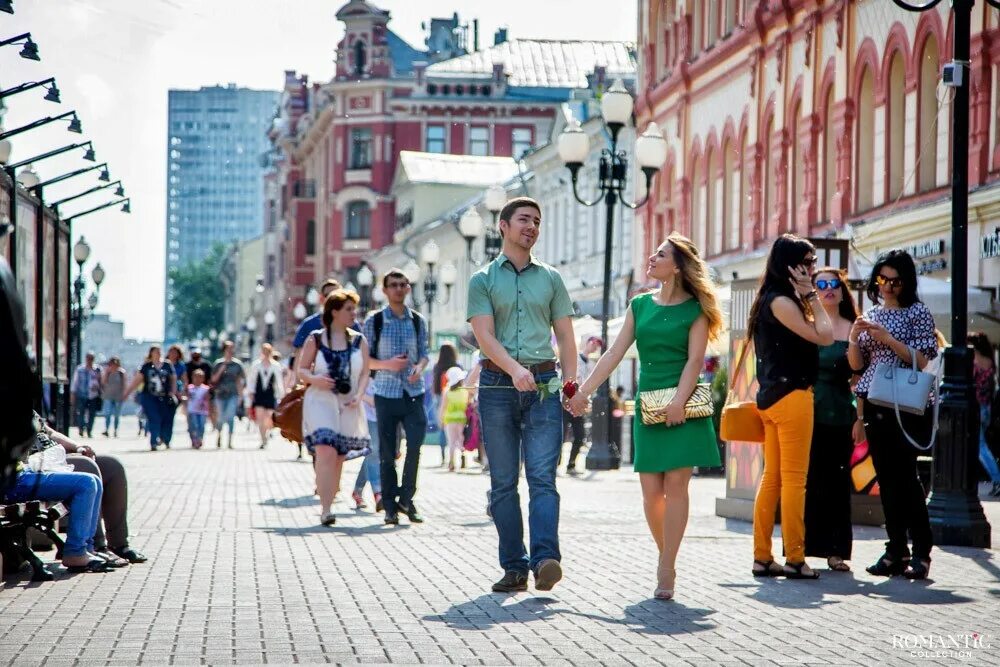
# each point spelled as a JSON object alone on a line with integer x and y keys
{"x": 768, "y": 169}
{"x": 729, "y": 23}
{"x": 359, "y": 58}
{"x": 712, "y": 25}
{"x": 742, "y": 209}
{"x": 713, "y": 222}
{"x": 696, "y": 231}
{"x": 730, "y": 203}
{"x": 667, "y": 188}
{"x": 927, "y": 135}
{"x": 697, "y": 29}
{"x": 865, "y": 142}
{"x": 896, "y": 127}
{"x": 310, "y": 237}
{"x": 358, "y": 220}
{"x": 829, "y": 157}
{"x": 797, "y": 170}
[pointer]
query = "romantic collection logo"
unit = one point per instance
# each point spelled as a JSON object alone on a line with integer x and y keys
{"x": 936, "y": 646}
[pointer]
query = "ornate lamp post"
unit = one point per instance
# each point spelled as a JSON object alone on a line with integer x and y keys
{"x": 470, "y": 226}
{"x": 650, "y": 153}
{"x": 430, "y": 254}
{"x": 495, "y": 199}
{"x": 81, "y": 253}
{"x": 269, "y": 319}
{"x": 366, "y": 281}
{"x": 251, "y": 327}
{"x": 956, "y": 514}
{"x": 299, "y": 311}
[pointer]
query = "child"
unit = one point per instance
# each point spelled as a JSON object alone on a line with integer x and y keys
{"x": 454, "y": 403}
{"x": 197, "y": 407}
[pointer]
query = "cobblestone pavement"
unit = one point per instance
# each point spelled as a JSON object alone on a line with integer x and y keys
{"x": 240, "y": 573}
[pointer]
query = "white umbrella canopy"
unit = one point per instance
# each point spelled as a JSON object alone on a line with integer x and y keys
{"x": 936, "y": 295}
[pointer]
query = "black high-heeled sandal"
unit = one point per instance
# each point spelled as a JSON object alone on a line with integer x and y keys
{"x": 770, "y": 569}
{"x": 887, "y": 567}
{"x": 794, "y": 571}
{"x": 919, "y": 569}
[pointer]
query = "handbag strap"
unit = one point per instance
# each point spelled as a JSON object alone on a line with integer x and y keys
{"x": 937, "y": 404}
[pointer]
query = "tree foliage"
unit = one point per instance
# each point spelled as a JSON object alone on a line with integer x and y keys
{"x": 198, "y": 295}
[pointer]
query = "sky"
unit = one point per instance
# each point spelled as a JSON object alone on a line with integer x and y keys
{"x": 115, "y": 60}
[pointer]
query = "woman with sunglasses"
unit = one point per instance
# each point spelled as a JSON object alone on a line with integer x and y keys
{"x": 888, "y": 331}
{"x": 835, "y": 430}
{"x": 786, "y": 326}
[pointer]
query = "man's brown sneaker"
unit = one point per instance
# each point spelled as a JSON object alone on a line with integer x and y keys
{"x": 547, "y": 574}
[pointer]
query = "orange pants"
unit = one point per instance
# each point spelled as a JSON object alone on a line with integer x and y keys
{"x": 788, "y": 427}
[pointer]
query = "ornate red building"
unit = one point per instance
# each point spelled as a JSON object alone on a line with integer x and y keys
{"x": 338, "y": 142}
{"x": 820, "y": 117}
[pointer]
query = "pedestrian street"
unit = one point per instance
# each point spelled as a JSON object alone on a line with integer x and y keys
{"x": 241, "y": 572}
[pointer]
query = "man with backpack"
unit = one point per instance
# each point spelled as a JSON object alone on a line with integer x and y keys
{"x": 398, "y": 344}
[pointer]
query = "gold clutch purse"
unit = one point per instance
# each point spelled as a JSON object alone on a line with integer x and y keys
{"x": 653, "y": 404}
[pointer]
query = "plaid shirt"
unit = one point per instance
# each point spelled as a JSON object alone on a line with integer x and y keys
{"x": 397, "y": 337}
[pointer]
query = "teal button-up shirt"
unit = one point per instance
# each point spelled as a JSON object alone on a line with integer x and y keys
{"x": 524, "y": 304}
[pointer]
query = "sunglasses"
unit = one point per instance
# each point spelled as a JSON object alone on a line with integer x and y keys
{"x": 809, "y": 261}
{"x": 398, "y": 285}
{"x": 833, "y": 283}
{"x": 894, "y": 283}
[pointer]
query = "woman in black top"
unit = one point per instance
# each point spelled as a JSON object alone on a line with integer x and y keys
{"x": 888, "y": 331}
{"x": 159, "y": 396}
{"x": 786, "y": 326}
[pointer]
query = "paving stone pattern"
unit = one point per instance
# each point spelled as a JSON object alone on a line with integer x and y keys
{"x": 241, "y": 573}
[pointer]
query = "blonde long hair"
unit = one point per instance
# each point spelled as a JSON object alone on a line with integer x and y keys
{"x": 696, "y": 280}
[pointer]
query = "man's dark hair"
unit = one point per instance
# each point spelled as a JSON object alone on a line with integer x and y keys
{"x": 393, "y": 273}
{"x": 507, "y": 212}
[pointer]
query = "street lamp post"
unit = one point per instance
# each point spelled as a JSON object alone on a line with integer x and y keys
{"x": 956, "y": 514}
{"x": 269, "y": 320}
{"x": 366, "y": 281}
{"x": 430, "y": 254}
{"x": 81, "y": 252}
{"x": 495, "y": 200}
{"x": 650, "y": 152}
{"x": 470, "y": 226}
{"x": 251, "y": 327}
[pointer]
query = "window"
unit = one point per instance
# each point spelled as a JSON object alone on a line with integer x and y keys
{"x": 896, "y": 127}
{"x": 311, "y": 237}
{"x": 479, "y": 141}
{"x": 521, "y": 141}
{"x": 434, "y": 139}
{"x": 927, "y": 137}
{"x": 358, "y": 220}
{"x": 359, "y": 58}
{"x": 361, "y": 148}
{"x": 829, "y": 158}
{"x": 865, "y": 143}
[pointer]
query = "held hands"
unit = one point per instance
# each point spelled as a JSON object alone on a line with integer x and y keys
{"x": 414, "y": 376}
{"x": 577, "y": 405}
{"x": 351, "y": 401}
{"x": 397, "y": 364}
{"x": 84, "y": 450}
{"x": 875, "y": 330}
{"x": 322, "y": 382}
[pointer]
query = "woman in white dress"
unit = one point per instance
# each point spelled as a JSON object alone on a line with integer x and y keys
{"x": 335, "y": 367}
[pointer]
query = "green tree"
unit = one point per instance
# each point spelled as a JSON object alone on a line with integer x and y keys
{"x": 198, "y": 295}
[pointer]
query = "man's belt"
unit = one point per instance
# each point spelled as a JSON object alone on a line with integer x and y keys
{"x": 543, "y": 367}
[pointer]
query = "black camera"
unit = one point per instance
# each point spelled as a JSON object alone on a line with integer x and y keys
{"x": 342, "y": 385}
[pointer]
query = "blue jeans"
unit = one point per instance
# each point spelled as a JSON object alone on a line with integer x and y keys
{"x": 78, "y": 490}
{"x": 85, "y": 413}
{"x": 513, "y": 423}
{"x": 196, "y": 426}
{"x": 112, "y": 413}
{"x": 985, "y": 455}
{"x": 226, "y": 408}
{"x": 369, "y": 472}
{"x": 159, "y": 419}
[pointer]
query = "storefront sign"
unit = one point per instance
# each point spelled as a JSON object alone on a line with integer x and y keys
{"x": 926, "y": 249}
{"x": 989, "y": 245}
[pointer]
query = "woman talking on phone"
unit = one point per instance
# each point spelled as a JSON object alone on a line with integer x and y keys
{"x": 888, "y": 331}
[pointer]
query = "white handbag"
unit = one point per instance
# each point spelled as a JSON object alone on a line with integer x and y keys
{"x": 906, "y": 389}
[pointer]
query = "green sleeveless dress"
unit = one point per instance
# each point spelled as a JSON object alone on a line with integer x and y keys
{"x": 661, "y": 335}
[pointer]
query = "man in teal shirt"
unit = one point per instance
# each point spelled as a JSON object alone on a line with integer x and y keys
{"x": 515, "y": 303}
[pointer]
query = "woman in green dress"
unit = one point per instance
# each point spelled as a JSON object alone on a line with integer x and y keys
{"x": 671, "y": 328}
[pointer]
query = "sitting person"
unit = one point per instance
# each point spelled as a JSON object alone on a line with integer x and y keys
{"x": 80, "y": 492}
{"x": 113, "y": 545}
